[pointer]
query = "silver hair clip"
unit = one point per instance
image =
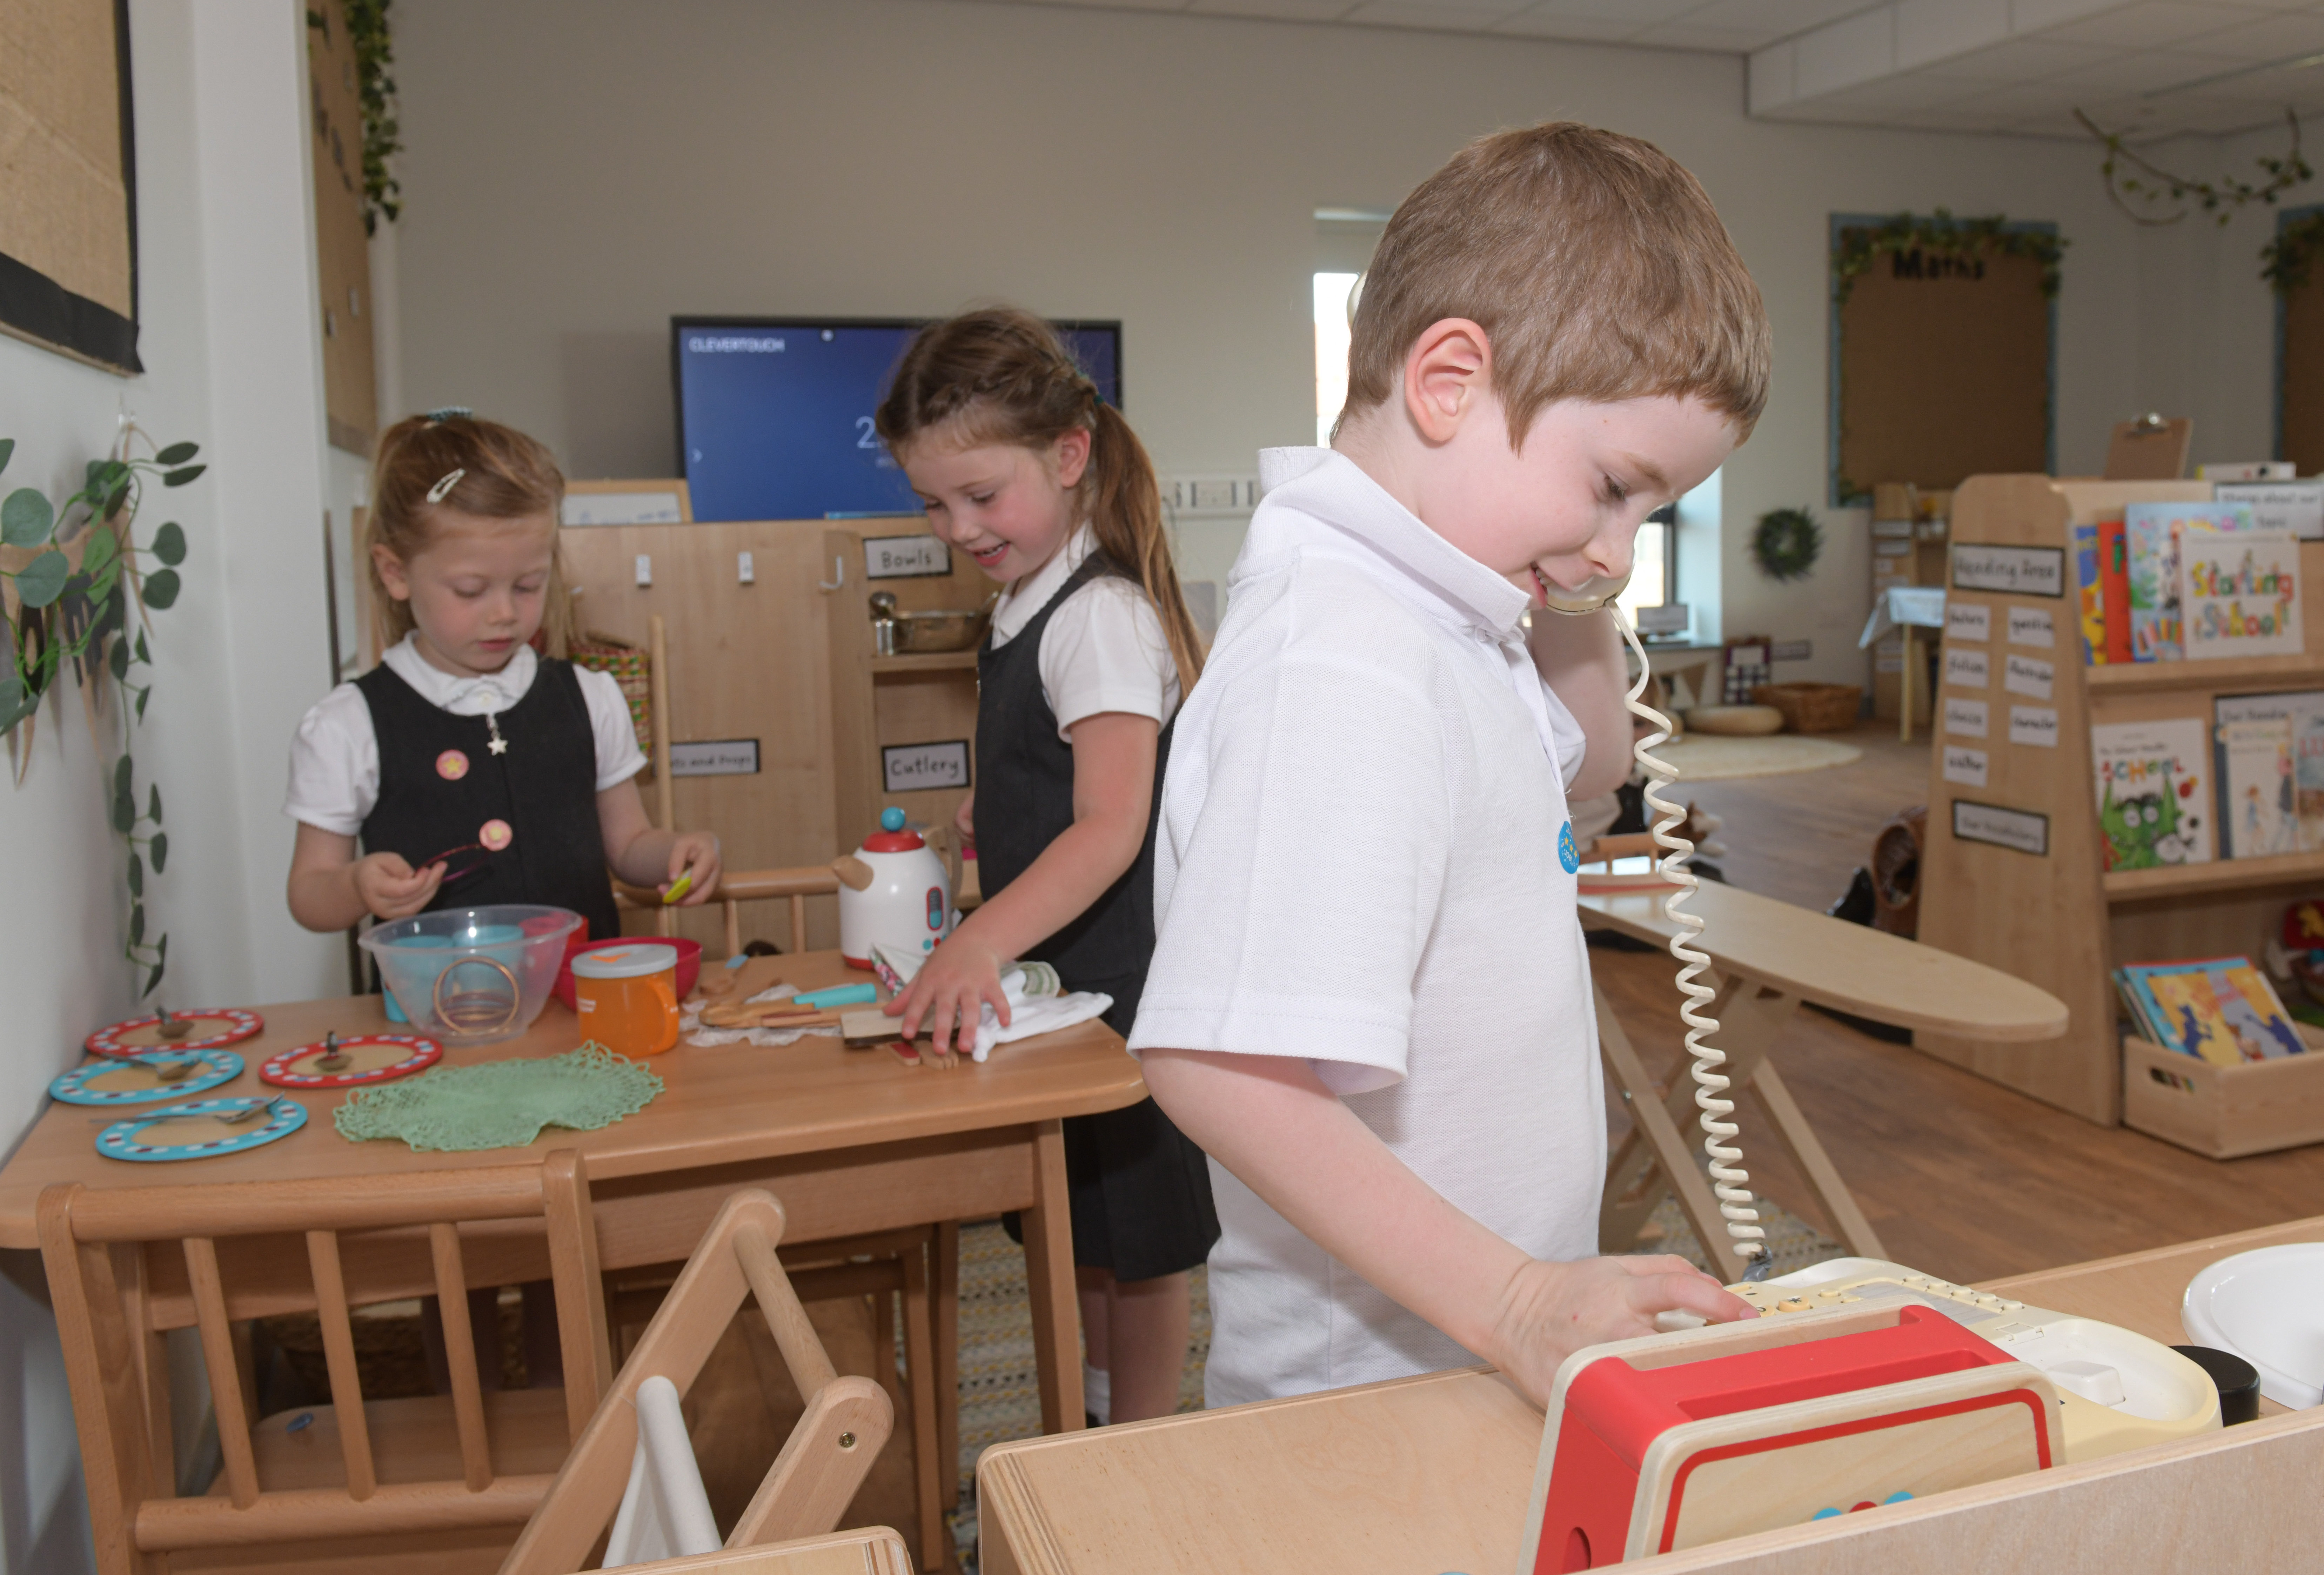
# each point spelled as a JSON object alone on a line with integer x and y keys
{"x": 443, "y": 489}
{"x": 451, "y": 413}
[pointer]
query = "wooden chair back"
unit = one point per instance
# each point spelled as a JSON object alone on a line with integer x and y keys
{"x": 846, "y": 1422}
{"x": 737, "y": 887}
{"x": 873, "y": 1550}
{"x": 125, "y": 1266}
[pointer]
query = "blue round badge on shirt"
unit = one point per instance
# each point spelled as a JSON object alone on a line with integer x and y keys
{"x": 1568, "y": 854}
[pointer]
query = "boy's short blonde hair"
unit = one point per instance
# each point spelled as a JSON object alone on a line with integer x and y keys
{"x": 1594, "y": 263}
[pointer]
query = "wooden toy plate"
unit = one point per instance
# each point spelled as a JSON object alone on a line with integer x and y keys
{"x": 118, "y": 1079}
{"x": 373, "y": 1058}
{"x": 179, "y": 1132}
{"x": 210, "y": 1029}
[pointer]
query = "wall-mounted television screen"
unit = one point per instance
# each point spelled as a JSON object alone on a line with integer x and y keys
{"x": 774, "y": 414}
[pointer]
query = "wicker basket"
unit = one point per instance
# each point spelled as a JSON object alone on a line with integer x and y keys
{"x": 1813, "y": 707}
{"x": 631, "y": 670}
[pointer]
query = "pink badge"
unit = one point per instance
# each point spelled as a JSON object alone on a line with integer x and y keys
{"x": 495, "y": 834}
{"x": 451, "y": 765}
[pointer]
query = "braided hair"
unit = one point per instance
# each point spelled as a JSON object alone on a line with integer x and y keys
{"x": 1000, "y": 375}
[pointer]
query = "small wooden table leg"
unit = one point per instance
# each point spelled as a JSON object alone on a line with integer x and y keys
{"x": 928, "y": 1466}
{"x": 1049, "y": 1275}
{"x": 947, "y": 1308}
{"x": 1904, "y": 692}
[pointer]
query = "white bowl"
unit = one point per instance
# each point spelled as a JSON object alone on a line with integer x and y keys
{"x": 2264, "y": 1307}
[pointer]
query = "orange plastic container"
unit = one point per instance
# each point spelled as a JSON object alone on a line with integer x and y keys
{"x": 627, "y": 997}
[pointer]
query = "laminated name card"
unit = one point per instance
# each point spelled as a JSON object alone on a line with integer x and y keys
{"x": 2239, "y": 593}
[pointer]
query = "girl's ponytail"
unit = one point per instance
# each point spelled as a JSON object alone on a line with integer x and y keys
{"x": 1000, "y": 375}
{"x": 1125, "y": 509}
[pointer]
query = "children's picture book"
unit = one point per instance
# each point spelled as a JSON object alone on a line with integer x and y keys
{"x": 2113, "y": 587}
{"x": 2302, "y": 712}
{"x": 2258, "y": 806}
{"x": 2222, "y": 1010}
{"x": 2154, "y": 793}
{"x": 2152, "y": 533}
{"x": 2092, "y": 604}
{"x": 2239, "y": 593}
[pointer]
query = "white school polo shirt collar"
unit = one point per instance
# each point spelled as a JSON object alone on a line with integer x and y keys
{"x": 489, "y": 693}
{"x": 1332, "y": 489}
{"x": 1029, "y": 595}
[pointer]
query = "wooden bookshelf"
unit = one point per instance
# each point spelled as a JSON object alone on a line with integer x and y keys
{"x": 2057, "y": 918}
{"x": 928, "y": 661}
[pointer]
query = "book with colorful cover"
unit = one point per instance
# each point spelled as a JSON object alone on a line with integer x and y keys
{"x": 2093, "y": 600}
{"x": 2302, "y": 711}
{"x": 2239, "y": 593}
{"x": 2258, "y": 806}
{"x": 2151, "y": 532}
{"x": 2113, "y": 587}
{"x": 2154, "y": 792}
{"x": 2221, "y": 1010}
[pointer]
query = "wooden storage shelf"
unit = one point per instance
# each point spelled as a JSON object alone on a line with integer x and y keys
{"x": 926, "y": 661}
{"x": 2225, "y": 675}
{"x": 2219, "y": 875}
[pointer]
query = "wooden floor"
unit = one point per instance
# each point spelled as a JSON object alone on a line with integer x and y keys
{"x": 1961, "y": 1177}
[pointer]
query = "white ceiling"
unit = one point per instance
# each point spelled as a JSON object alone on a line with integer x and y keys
{"x": 2146, "y": 68}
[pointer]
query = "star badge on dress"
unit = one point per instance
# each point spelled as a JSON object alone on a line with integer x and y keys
{"x": 452, "y": 765}
{"x": 495, "y": 834}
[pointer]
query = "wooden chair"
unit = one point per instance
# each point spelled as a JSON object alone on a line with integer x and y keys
{"x": 737, "y": 887}
{"x": 455, "y": 1475}
{"x": 813, "y": 1480}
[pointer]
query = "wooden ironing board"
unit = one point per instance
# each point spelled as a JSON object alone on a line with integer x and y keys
{"x": 1768, "y": 957}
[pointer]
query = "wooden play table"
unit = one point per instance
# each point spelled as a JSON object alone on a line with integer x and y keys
{"x": 1768, "y": 957}
{"x": 1433, "y": 1474}
{"x": 852, "y": 1141}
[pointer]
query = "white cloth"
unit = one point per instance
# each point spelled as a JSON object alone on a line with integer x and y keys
{"x": 1358, "y": 863}
{"x": 1035, "y": 1014}
{"x": 1922, "y": 606}
{"x": 1103, "y": 650}
{"x": 335, "y": 757}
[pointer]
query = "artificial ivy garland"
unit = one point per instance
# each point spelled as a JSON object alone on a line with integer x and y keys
{"x": 1943, "y": 236}
{"x": 1786, "y": 543}
{"x": 382, "y": 137}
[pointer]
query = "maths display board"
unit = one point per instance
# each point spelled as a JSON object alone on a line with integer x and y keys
{"x": 774, "y": 414}
{"x": 2299, "y": 360}
{"x": 1942, "y": 369}
{"x": 68, "y": 208}
{"x": 342, "y": 244}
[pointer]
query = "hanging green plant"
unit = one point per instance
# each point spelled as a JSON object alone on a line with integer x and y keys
{"x": 2286, "y": 261}
{"x": 382, "y": 136}
{"x": 2152, "y": 194}
{"x": 73, "y": 577}
{"x": 1949, "y": 243}
{"x": 1786, "y": 543}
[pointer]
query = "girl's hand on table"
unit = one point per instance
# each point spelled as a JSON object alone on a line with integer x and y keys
{"x": 1549, "y": 1311}
{"x": 955, "y": 981}
{"x": 390, "y": 888}
{"x": 697, "y": 851}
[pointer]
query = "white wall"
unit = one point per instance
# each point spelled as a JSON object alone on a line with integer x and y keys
{"x": 233, "y": 362}
{"x": 579, "y": 169}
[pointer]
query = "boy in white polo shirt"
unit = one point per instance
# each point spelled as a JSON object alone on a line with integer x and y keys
{"x": 1369, "y": 1002}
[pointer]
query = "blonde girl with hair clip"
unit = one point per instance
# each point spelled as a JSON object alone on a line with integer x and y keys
{"x": 1023, "y": 466}
{"x": 466, "y": 768}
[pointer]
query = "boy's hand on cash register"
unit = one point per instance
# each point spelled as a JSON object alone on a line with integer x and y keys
{"x": 1549, "y": 1311}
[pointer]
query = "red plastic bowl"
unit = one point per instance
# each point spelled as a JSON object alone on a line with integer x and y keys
{"x": 689, "y": 963}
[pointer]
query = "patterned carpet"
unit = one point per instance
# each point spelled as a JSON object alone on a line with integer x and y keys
{"x": 999, "y": 1400}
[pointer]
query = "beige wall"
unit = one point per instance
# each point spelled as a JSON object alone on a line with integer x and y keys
{"x": 579, "y": 169}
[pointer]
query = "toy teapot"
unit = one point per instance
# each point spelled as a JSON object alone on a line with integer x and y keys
{"x": 893, "y": 891}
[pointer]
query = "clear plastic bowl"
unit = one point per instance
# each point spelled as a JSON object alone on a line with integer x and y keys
{"x": 473, "y": 975}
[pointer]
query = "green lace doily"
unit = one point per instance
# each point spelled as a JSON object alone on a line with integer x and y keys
{"x": 502, "y": 1104}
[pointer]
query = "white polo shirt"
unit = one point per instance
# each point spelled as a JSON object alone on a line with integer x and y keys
{"x": 1359, "y": 863}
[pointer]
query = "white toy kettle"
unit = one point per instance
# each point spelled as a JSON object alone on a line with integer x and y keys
{"x": 893, "y": 891}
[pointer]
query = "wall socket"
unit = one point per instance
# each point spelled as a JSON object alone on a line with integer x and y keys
{"x": 1210, "y": 494}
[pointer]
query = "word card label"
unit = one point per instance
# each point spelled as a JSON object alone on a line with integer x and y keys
{"x": 2016, "y": 571}
{"x": 2032, "y": 626}
{"x": 2033, "y": 725}
{"x": 1964, "y": 766}
{"x": 2020, "y": 831}
{"x": 2297, "y": 506}
{"x": 1968, "y": 670}
{"x": 1969, "y": 621}
{"x": 715, "y": 757}
{"x": 1965, "y": 717}
{"x": 905, "y": 558}
{"x": 2025, "y": 676}
{"x": 905, "y": 768}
